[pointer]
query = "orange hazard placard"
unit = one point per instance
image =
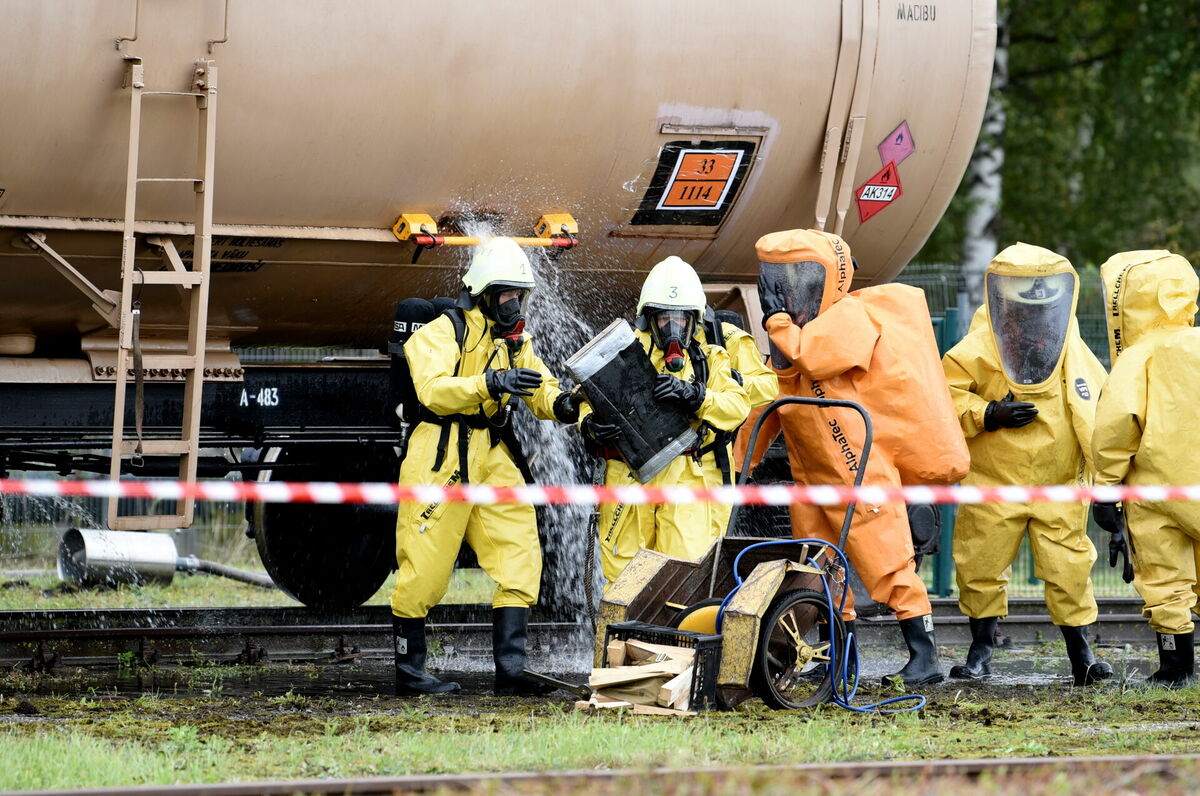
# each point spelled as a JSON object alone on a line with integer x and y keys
{"x": 701, "y": 179}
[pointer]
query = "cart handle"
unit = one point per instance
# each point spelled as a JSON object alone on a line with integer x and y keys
{"x": 774, "y": 406}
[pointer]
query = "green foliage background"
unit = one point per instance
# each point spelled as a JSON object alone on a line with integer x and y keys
{"x": 1103, "y": 132}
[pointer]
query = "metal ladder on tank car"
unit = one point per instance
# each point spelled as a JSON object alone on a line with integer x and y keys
{"x": 193, "y": 284}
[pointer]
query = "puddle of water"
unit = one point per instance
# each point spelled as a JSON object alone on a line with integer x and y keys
{"x": 1010, "y": 668}
{"x": 341, "y": 681}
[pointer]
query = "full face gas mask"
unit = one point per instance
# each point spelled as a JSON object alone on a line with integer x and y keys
{"x": 505, "y": 307}
{"x": 671, "y": 329}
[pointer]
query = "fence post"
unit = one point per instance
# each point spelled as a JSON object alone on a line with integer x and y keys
{"x": 947, "y": 333}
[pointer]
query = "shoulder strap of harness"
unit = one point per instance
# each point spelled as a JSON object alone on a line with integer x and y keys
{"x": 459, "y": 321}
{"x": 721, "y": 439}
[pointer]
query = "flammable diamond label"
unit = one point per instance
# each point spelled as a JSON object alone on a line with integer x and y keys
{"x": 898, "y": 145}
{"x": 878, "y": 192}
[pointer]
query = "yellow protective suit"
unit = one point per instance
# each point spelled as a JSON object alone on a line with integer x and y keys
{"x": 846, "y": 352}
{"x": 683, "y": 530}
{"x": 1146, "y": 433}
{"x": 1054, "y": 449}
{"x": 429, "y": 535}
{"x": 761, "y": 386}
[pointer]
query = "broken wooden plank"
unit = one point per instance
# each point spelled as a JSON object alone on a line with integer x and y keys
{"x": 640, "y": 650}
{"x": 655, "y": 710}
{"x": 602, "y": 678}
{"x": 616, "y": 653}
{"x": 642, "y": 692}
{"x": 677, "y": 692}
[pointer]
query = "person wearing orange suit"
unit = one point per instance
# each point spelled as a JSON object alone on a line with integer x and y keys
{"x": 838, "y": 349}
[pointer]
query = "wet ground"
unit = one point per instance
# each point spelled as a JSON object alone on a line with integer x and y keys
{"x": 118, "y": 725}
{"x": 1045, "y": 667}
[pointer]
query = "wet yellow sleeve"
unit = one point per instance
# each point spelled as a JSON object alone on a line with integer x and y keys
{"x": 839, "y": 339}
{"x": 1081, "y": 363}
{"x": 541, "y": 403}
{"x": 725, "y": 403}
{"x": 1120, "y": 418}
{"x": 760, "y": 382}
{"x": 432, "y": 355}
{"x": 964, "y": 384}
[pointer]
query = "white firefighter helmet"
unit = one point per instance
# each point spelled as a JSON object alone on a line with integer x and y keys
{"x": 499, "y": 262}
{"x": 672, "y": 284}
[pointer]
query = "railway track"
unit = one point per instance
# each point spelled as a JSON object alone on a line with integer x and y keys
{"x": 462, "y": 633}
{"x": 1126, "y": 771}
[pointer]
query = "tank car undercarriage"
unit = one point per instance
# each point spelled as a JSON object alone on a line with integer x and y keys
{"x": 294, "y": 423}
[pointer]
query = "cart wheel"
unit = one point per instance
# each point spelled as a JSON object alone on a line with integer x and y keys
{"x": 700, "y": 617}
{"x": 791, "y": 667}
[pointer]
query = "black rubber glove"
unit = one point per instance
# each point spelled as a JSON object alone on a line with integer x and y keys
{"x": 602, "y": 433}
{"x": 517, "y": 381}
{"x": 1008, "y": 413}
{"x": 772, "y": 297}
{"x": 688, "y": 395}
{"x": 1118, "y": 546}
{"x": 737, "y": 376}
{"x": 1111, "y": 517}
{"x": 566, "y": 408}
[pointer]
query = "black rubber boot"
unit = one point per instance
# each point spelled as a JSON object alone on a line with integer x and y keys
{"x": 509, "y": 628}
{"x": 979, "y": 657}
{"x": 1176, "y": 660}
{"x": 408, "y": 640}
{"x": 1084, "y": 666}
{"x": 922, "y": 667}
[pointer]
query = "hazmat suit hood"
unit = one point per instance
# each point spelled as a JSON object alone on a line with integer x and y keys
{"x": 1145, "y": 290}
{"x": 816, "y": 266}
{"x": 1030, "y": 295}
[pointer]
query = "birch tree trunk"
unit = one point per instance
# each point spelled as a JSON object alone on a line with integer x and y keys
{"x": 986, "y": 177}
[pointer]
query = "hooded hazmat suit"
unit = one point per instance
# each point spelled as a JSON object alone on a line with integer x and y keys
{"x": 1146, "y": 434}
{"x": 841, "y": 347}
{"x": 682, "y": 530}
{"x": 832, "y": 356}
{"x": 1040, "y": 358}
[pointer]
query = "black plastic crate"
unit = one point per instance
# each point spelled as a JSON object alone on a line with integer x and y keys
{"x": 704, "y": 667}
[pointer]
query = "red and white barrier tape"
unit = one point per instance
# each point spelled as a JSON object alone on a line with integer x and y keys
{"x": 481, "y": 494}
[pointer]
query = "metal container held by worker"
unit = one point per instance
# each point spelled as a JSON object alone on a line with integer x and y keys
{"x": 618, "y": 379}
{"x": 108, "y": 558}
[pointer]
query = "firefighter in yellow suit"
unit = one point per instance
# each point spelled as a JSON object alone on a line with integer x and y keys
{"x": 749, "y": 370}
{"x": 465, "y": 388}
{"x": 1025, "y": 385}
{"x": 1146, "y": 435}
{"x": 669, "y": 310}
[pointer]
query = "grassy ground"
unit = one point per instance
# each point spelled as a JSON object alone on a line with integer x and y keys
{"x": 95, "y": 737}
{"x": 46, "y": 592}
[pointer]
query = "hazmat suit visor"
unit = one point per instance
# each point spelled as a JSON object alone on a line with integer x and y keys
{"x": 1030, "y": 316}
{"x": 801, "y": 286}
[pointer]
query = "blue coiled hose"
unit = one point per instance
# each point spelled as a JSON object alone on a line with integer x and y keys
{"x": 843, "y": 691}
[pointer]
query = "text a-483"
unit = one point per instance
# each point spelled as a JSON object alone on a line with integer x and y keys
{"x": 264, "y": 396}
